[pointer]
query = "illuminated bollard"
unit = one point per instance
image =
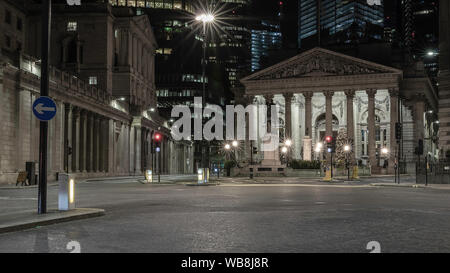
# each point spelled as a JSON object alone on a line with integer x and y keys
{"x": 328, "y": 175}
{"x": 66, "y": 195}
{"x": 149, "y": 176}
{"x": 203, "y": 175}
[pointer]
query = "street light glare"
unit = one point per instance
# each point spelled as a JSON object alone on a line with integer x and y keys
{"x": 288, "y": 142}
{"x": 235, "y": 143}
{"x": 227, "y": 146}
{"x": 284, "y": 150}
{"x": 205, "y": 18}
{"x": 347, "y": 148}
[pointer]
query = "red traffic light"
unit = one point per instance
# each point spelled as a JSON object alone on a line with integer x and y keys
{"x": 158, "y": 137}
{"x": 328, "y": 139}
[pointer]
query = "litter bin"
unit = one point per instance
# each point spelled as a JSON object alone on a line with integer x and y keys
{"x": 66, "y": 193}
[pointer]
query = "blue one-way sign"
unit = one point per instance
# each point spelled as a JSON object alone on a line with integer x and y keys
{"x": 44, "y": 108}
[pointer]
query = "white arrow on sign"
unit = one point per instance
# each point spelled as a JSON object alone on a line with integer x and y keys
{"x": 40, "y": 108}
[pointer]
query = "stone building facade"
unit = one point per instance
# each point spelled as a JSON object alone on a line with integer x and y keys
{"x": 102, "y": 80}
{"x": 320, "y": 92}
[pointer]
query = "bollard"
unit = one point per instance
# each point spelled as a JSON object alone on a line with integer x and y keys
{"x": 355, "y": 172}
{"x": 203, "y": 175}
{"x": 327, "y": 175}
{"x": 149, "y": 176}
{"x": 66, "y": 194}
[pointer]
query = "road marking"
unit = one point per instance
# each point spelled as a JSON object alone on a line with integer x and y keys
{"x": 294, "y": 185}
{"x": 18, "y": 198}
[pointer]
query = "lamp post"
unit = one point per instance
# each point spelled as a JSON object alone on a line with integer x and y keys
{"x": 204, "y": 18}
{"x": 43, "y": 126}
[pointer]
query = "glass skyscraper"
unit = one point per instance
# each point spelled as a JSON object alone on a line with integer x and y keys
{"x": 337, "y": 17}
{"x": 265, "y": 37}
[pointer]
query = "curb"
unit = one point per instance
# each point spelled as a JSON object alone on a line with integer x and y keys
{"x": 50, "y": 218}
{"x": 398, "y": 185}
{"x": 202, "y": 185}
{"x": 26, "y": 187}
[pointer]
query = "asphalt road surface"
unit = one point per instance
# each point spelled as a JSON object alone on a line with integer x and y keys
{"x": 239, "y": 218}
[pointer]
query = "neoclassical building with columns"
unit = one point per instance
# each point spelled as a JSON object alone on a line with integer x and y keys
{"x": 320, "y": 92}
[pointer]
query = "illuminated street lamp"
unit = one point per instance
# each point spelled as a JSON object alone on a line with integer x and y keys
{"x": 347, "y": 150}
{"x": 284, "y": 150}
{"x": 227, "y": 146}
{"x": 318, "y": 148}
{"x": 205, "y": 18}
{"x": 384, "y": 151}
{"x": 288, "y": 142}
{"x": 235, "y": 143}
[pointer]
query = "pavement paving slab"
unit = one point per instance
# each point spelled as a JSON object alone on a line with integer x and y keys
{"x": 10, "y": 222}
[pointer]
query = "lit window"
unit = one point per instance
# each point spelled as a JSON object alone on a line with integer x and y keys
{"x": 72, "y": 26}
{"x": 93, "y": 80}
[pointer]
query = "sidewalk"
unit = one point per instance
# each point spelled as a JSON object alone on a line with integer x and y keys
{"x": 30, "y": 219}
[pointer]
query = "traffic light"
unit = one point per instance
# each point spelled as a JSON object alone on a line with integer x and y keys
{"x": 331, "y": 144}
{"x": 420, "y": 147}
{"x": 255, "y": 150}
{"x": 398, "y": 131}
{"x": 157, "y": 139}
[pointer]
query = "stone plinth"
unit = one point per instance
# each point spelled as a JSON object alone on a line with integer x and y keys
{"x": 307, "y": 148}
{"x": 271, "y": 153}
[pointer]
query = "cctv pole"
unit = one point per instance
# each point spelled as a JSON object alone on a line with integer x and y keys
{"x": 43, "y": 130}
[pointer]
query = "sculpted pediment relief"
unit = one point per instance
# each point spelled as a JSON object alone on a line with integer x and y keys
{"x": 319, "y": 62}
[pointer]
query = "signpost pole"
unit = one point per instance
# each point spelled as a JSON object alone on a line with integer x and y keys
{"x": 43, "y": 131}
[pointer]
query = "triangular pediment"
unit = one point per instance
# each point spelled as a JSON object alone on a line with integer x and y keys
{"x": 319, "y": 62}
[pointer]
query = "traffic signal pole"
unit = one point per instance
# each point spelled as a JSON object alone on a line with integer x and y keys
{"x": 43, "y": 126}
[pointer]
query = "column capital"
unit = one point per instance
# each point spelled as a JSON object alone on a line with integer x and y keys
{"x": 350, "y": 93}
{"x": 394, "y": 92}
{"x": 308, "y": 95}
{"x": 249, "y": 98}
{"x": 328, "y": 94}
{"x": 288, "y": 97}
{"x": 83, "y": 113}
{"x": 68, "y": 106}
{"x": 76, "y": 111}
{"x": 269, "y": 98}
{"x": 371, "y": 92}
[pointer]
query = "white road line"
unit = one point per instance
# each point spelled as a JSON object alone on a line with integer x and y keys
{"x": 294, "y": 185}
{"x": 17, "y": 198}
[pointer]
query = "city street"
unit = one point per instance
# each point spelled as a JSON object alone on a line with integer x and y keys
{"x": 239, "y": 217}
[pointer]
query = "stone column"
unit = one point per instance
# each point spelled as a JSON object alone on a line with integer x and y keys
{"x": 90, "y": 142}
{"x": 96, "y": 144}
{"x": 67, "y": 136}
{"x": 371, "y": 128}
{"x": 288, "y": 115}
{"x": 269, "y": 103}
{"x": 308, "y": 113}
{"x": 350, "y": 94}
{"x": 329, "y": 112}
{"x": 105, "y": 144}
{"x": 75, "y": 139}
{"x": 83, "y": 138}
{"x": 307, "y": 140}
{"x": 138, "y": 150}
{"x": 393, "y": 149}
